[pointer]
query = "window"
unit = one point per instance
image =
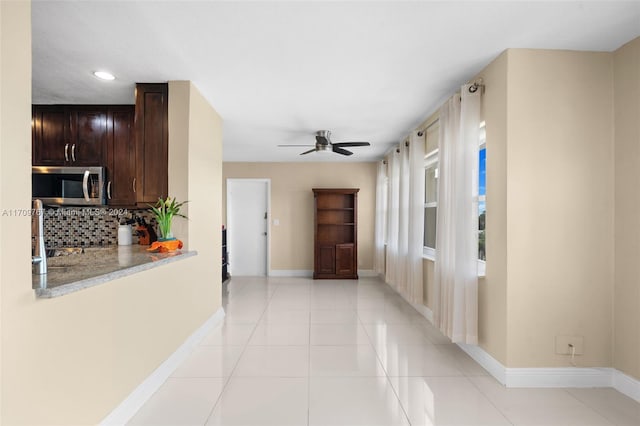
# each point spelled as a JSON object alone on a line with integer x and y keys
{"x": 431, "y": 190}
{"x": 482, "y": 191}
{"x": 431, "y": 202}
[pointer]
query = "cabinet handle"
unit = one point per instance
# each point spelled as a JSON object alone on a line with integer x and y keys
{"x": 134, "y": 185}
{"x": 73, "y": 152}
{"x": 66, "y": 152}
{"x": 109, "y": 190}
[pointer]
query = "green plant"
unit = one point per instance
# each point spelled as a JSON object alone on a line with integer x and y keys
{"x": 164, "y": 211}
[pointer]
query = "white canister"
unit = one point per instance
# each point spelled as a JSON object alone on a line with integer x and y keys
{"x": 124, "y": 235}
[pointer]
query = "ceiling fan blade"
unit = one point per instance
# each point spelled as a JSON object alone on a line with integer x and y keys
{"x": 309, "y": 152}
{"x": 307, "y": 144}
{"x": 352, "y": 144}
{"x": 339, "y": 150}
{"x": 322, "y": 140}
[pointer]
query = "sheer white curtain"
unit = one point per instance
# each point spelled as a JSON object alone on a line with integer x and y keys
{"x": 416, "y": 218}
{"x": 381, "y": 207}
{"x": 406, "y": 218}
{"x": 393, "y": 218}
{"x": 403, "y": 220}
{"x": 456, "y": 269}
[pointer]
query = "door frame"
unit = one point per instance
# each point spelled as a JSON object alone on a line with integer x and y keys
{"x": 230, "y": 215}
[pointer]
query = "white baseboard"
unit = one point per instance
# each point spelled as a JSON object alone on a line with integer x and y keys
{"x": 563, "y": 377}
{"x": 136, "y": 399}
{"x": 422, "y": 309}
{"x": 626, "y": 384}
{"x": 489, "y": 363}
{"x": 570, "y": 377}
{"x": 427, "y": 313}
{"x": 308, "y": 273}
{"x": 291, "y": 273}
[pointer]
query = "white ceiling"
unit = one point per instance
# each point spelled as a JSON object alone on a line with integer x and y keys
{"x": 278, "y": 71}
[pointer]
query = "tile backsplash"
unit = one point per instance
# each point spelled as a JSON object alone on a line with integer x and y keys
{"x": 86, "y": 227}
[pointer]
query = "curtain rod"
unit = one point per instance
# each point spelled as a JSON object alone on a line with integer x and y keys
{"x": 478, "y": 84}
{"x": 473, "y": 88}
{"x": 433, "y": 123}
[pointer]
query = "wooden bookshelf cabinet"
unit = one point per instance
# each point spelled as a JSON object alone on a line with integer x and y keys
{"x": 335, "y": 233}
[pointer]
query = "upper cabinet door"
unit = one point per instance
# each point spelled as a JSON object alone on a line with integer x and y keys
{"x": 121, "y": 157}
{"x": 69, "y": 135}
{"x": 90, "y": 130}
{"x": 152, "y": 142}
{"x": 51, "y": 142}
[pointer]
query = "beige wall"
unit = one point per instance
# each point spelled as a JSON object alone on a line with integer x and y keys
{"x": 492, "y": 290}
{"x": 178, "y": 161}
{"x": 549, "y": 122}
{"x": 195, "y": 174}
{"x": 428, "y": 285}
{"x": 15, "y": 162}
{"x": 626, "y": 354}
{"x": 292, "y": 205}
{"x": 559, "y": 185}
{"x": 72, "y": 359}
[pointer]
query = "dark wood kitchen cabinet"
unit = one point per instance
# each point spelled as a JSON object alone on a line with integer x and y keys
{"x": 335, "y": 233}
{"x": 89, "y": 136}
{"x": 152, "y": 142}
{"x": 68, "y": 135}
{"x": 51, "y": 132}
{"x": 130, "y": 141}
{"x": 121, "y": 156}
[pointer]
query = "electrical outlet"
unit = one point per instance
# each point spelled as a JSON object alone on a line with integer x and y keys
{"x": 563, "y": 342}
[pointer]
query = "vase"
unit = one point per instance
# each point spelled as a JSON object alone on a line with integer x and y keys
{"x": 167, "y": 237}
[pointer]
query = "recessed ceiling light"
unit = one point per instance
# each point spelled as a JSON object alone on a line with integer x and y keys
{"x": 103, "y": 75}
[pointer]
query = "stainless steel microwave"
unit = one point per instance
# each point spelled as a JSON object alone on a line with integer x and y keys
{"x": 68, "y": 186}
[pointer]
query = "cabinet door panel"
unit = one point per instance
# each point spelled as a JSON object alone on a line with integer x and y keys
{"x": 326, "y": 260}
{"x": 50, "y": 135}
{"x": 90, "y": 128}
{"x": 152, "y": 142}
{"x": 345, "y": 259}
{"x": 122, "y": 157}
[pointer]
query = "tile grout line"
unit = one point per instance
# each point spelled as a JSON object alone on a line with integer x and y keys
{"x": 594, "y": 409}
{"x": 503, "y": 414}
{"x": 244, "y": 348}
{"x": 464, "y": 375}
{"x": 386, "y": 373}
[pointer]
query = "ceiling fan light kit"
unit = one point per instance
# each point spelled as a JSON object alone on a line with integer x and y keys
{"x": 324, "y": 144}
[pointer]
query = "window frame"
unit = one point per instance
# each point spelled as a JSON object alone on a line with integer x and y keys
{"x": 482, "y": 144}
{"x": 431, "y": 159}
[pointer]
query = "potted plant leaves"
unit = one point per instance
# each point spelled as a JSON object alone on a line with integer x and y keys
{"x": 164, "y": 212}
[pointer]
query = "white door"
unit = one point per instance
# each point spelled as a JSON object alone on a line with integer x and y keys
{"x": 247, "y": 226}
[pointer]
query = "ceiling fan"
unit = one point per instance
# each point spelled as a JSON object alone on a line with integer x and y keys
{"x": 324, "y": 144}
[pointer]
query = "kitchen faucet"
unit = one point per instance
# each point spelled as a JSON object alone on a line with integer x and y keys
{"x": 39, "y": 258}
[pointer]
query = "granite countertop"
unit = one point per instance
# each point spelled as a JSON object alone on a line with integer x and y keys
{"x": 82, "y": 268}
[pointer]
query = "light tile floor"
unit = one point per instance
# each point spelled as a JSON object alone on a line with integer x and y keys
{"x": 294, "y": 351}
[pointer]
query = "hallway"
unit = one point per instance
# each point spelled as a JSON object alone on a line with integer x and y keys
{"x": 294, "y": 351}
